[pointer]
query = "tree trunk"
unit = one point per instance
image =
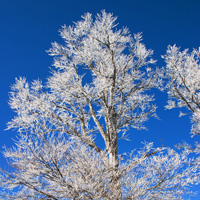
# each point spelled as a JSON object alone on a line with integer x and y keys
{"x": 115, "y": 183}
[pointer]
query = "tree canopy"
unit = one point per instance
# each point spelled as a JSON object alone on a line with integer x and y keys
{"x": 100, "y": 87}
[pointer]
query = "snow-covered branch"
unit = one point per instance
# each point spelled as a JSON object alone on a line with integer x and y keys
{"x": 183, "y": 74}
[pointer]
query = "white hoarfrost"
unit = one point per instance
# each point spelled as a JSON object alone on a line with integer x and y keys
{"x": 183, "y": 74}
{"x": 51, "y": 166}
{"x": 99, "y": 88}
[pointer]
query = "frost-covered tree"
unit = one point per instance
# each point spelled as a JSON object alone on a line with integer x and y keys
{"x": 51, "y": 166}
{"x": 183, "y": 74}
{"x": 98, "y": 89}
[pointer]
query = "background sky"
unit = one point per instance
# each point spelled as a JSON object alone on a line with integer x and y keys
{"x": 27, "y": 28}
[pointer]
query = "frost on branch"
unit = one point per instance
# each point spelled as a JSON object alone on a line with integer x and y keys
{"x": 183, "y": 74}
{"x": 52, "y": 166}
{"x": 100, "y": 87}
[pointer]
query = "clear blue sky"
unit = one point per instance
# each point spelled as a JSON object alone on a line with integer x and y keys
{"x": 27, "y": 28}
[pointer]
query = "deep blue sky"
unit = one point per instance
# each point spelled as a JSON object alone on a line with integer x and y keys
{"x": 27, "y": 28}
